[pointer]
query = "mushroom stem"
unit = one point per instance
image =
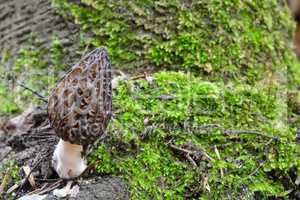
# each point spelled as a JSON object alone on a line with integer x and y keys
{"x": 67, "y": 160}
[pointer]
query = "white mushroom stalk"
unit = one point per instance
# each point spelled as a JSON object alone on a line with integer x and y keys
{"x": 67, "y": 160}
{"x": 79, "y": 109}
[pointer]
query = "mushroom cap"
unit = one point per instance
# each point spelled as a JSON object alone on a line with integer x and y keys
{"x": 80, "y": 106}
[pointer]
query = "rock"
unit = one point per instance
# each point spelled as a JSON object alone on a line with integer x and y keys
{"x": 108, "y": 188}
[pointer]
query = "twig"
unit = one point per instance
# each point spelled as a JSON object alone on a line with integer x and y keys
{"x": 205, "y": 183}
{"x": 191, "y": 160}
{"x": 181, "y": 149}
{"x": 219, "y": 157}
{"x": 251, "y": 132}
{"x": 5, "y": 180}
{"x": 269, "y": 142}
{"x": 38, "y": 190}
{"x": 45, "y": 188}
{"x": 188, "y": 153}
{"x": 138, "y": 76}
{"x": 14, "y": 187}
{"x": 52, "y": 187}
{"x": 41, "y": 97}
{"x": 31, "y": 179}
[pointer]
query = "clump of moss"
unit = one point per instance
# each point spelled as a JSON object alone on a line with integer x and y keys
{"x": 36, "y": 67}
{"x": 240, "y": 40}
{"x": 8, "y": 104}
{"x": 235, "y": 128}
{"x": 208, "y": 38}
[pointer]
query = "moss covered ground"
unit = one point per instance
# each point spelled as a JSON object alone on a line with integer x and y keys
{"x": 217, "y": 117}
{"x": 181, "y": 137}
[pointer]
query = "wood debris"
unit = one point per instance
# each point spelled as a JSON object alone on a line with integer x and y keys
{"x": 5, "y": 180}
{"x": 28, "y": 174}
{"x": 192, "y": 153}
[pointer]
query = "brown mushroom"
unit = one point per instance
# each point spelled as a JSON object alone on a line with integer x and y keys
{"x": 79, "y": 110}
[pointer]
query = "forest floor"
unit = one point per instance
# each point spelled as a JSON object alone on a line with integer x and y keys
{"x": 30, "y": 144}
{"x": 168, "y": 127}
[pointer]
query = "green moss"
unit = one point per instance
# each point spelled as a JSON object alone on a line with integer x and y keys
{"x": 35, "y": 66}
{"x": 137, "y": 149}
{"x": 207, "y": 37}
{"x": 8, "y": 104}
{"x": 13, "y": 169}
{"x": 237, "y": 66}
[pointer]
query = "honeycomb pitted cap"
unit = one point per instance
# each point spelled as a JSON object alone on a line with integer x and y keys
{"x": 80, "y": 106}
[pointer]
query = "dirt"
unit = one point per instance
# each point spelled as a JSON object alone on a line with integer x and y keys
{"x": 28, "y": 139}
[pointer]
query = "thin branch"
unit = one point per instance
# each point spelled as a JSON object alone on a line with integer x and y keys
{"x": 45, "y": 188}
{"x": 36, "y": 191}
{"x": 250, "y": 132}
{"x": 31, "y": 178}
{"x": 181, "y": 149}
{"x": 191, "y": 160}
{"x": 14, "y": 187}
{"x": 219, "y": 157}
{"x": 141, "y": 76}
{"x": 188, "y": 153}
{"x": 52, "y": 187}
{"x": 39, "y": 96}
{"x": 5, "y": 180}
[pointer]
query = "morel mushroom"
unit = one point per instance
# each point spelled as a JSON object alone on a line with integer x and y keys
{"x": 79, "y": 110}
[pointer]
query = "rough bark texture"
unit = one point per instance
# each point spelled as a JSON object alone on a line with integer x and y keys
{"x": 21, "y": 19}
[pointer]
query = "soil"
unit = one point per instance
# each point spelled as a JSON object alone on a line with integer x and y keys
{"x": 28, "y": 139}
